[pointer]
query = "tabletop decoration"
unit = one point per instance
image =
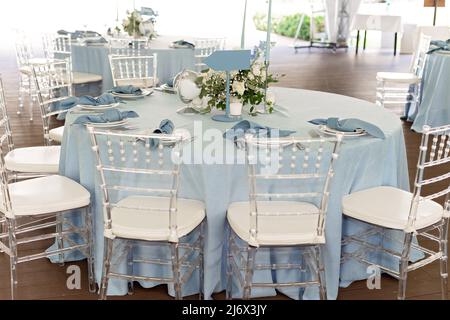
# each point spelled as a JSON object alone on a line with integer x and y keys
{"x": 247, "y": 87}
{"x": 135, "y": 25}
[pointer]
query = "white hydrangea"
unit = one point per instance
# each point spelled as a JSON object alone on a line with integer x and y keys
{"x": 256, "y": 69}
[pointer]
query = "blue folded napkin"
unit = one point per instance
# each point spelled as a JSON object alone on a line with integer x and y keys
{"x": 165, "y": 127}
{"x": 61, "y": 105}
{"x": 241, "y": 128}
{"x": 437, "y": 45}
{"x": 127, "y": 90}
{"x": 350, "y": 125}
{"x": 183, "y": 43}
{"x": 110, "y": 115}
{"x": 104, "y": 99}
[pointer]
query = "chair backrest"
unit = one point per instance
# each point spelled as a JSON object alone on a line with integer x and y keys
{"x": 6, "y": 145}
{"x": 140, "y": 71}
{"x": 57, "y": 46}
{"x": 127, "y": 47}
{"x": 434, "y": 152}
{"x": 53, "y": 82}
{"x": 131, "y": 165}
{"x": 24, "y": 50}
{"x": 420, "y": 55}
{"x": 289, "y": 169}
{"x": 204, "y": 47}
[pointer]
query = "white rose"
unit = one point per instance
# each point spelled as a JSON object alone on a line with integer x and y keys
{"x": 125, "y": 22}
{"x": 256, "y": 70}
{"x": 238, "y": 87}
{"x": 251, "y": 76}
{"x": 263, "y": 76}
{"x": 270, "y": 98}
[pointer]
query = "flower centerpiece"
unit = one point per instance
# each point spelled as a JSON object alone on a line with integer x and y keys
{"x": 246, "y": 86}
{"x": 131, "y": 24}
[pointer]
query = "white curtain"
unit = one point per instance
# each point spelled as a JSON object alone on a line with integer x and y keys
{"x": 334, "y": 18}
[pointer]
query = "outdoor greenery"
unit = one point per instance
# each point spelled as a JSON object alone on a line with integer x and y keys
{"x": 287, "y": 25}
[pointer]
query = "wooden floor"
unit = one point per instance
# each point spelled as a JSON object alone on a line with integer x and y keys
{"x": 341, "y": 73}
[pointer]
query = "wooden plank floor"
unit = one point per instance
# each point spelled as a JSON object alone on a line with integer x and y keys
{"x": 341, "y": 73}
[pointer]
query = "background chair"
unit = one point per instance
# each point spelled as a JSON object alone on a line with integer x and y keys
{"x": 386, "y": 209}
{"x": 140, "y": 71}
{"x": 127, "y": 47}
{"x": 393, "y": 88}
{"x": 53, "y": 83}
{"x": 139, "y": 184}
{"x": 204, "y": 47}
{"x": 289, "y": 181}
{"x": 26, "y": 162}
{"x": 60, "y": 47}
{"x": 24, "y": 57}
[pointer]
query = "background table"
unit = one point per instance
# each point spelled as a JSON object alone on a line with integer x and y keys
{"x": 364, "y": 162}
{"x": 384, "y": 23}
{"x": 434, "y": 107}
{"x": 94, "y": 59}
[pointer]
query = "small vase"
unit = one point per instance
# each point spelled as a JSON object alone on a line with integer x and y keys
{"x": 236, "y": 108}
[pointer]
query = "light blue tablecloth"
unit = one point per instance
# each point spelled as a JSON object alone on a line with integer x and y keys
{"x": 94, "y": 59}
{"x": 434, "y": 109}
{"x": 364, "y": 162}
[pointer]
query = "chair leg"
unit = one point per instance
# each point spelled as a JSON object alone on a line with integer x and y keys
{"x": 130, "y": 267}
{"x": 443, "y": 262}
{"x": 21, "y": 95}
{"x": 60, "y": 240}
{"x": 31, "y": 102}
{"x": 321, "y": 273}
{"x": 403, "y": 267}
{"x": 251, "y": 252}
{"x": 229, "y": 288}
{"x": 201, "y": 274}
{"x": 106, "y": 267}
{"x": 90, "y": 258}
{"x": 13, "y": 256}
{"x": 176, "y": 270}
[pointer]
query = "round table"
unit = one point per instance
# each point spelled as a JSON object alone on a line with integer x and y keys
{"x": 434, "y": 108}
{"x": 94, "y": 59}
{"x": 364, "y": 162}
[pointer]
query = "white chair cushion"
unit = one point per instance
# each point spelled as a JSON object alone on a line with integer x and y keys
{"x": 81, "y": 77}
{"x": 57, "y": 134}
{"x": 398, "y": 77}
{"x": 46, "y": 195}
{"x": 134, "y": 223}
{"x": 277, "y": 230}
{"x": 389, "y": 207}
{"x": 34, "y": 159}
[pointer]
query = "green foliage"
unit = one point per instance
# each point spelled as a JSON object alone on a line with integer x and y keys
{"x": 287, "y": 25}
{"x": 132, "y": 22}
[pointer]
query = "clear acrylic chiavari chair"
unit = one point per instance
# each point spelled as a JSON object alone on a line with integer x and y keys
{"x": 53, "y": 82}
{"x": 24, "y": 57}
{"x": 30, "y": 162}
{"x": 386, "y": 209}
{"x": 128, "y": 47}
{"x": 59, "y": 47}
{"x": 289, "y": 180}
{"x": 204, "y": 47}
{"x": 140, "y": 71}
{"x": 393, "y": 88}
{"x": 139, "y": 181}
{"x": 30, "y": 207}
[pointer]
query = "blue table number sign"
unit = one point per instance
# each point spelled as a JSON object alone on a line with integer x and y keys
{"x": 228, "y": 60}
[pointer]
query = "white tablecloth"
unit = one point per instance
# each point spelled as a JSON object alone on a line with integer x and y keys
{"x": 385, "y": 23}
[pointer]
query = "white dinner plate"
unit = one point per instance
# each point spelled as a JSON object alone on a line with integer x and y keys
{"x": 109, "y": 124}
{"x": 145, "y": 92}
{"x": 99, "y": 107}
{"x": 333, "y": 132}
